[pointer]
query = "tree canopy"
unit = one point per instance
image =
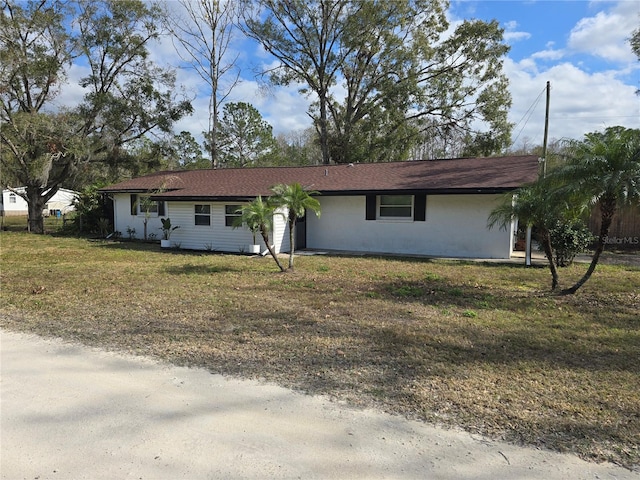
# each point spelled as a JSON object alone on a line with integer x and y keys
{"x": 244, "y": 138}
{"x": 126, "y": 96}
{"x": 381, "y": 72}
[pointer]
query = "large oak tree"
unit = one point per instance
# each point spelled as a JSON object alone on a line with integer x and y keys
{"x": 126, "y": 96}
{"x": 382, "y": 71}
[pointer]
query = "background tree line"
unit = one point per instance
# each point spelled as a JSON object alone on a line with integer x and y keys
{"x": 389, "y": 81}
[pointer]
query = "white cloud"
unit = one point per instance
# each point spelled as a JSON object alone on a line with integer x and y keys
{"x": 581, "y": 102}
{"x": 516, "y": 36}
{"x": 606, "y": 34}
{"x": 511, "y": 34}
{"x": 549, "y": 54}
{"x": 71, "y": 93}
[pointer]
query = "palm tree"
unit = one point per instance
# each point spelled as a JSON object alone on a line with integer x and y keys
{"x": 605, "y": 168}
{"x": 297, "y": 201}
{"x": 258, "y": 217}
{"x": 533, "y": 206}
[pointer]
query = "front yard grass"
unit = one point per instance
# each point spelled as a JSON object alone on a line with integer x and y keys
{"x": 477, "y": 345}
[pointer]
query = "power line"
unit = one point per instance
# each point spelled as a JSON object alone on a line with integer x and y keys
{"x": 527, "y": 114}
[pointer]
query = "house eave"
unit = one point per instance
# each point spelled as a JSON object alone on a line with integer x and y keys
{"x": 427, "y": 191}
{"x": 329, "y": 193}
{"x": 197, "y": 198}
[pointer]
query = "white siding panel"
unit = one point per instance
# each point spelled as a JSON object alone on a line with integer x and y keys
{"x": 217, "y": 236}
{"x": 280, "y": 236}
{"x": 455, "y": 226}
{"x": 123, "y": 218}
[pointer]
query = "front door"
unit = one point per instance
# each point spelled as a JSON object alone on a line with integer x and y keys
{"x": 301, "y": 233}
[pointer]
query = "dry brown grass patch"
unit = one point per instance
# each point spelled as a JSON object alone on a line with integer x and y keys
{"x": 482, "y": 346}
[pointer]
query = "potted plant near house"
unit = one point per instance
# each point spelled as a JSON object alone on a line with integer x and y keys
{"x": 167, "y": 228}
{"x": 255, "y": 246}
{"x": 252, "y": 225}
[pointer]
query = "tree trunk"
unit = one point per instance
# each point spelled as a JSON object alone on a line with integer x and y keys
{"x": 36, "y": 204}
{"x": 607, "y": 210}
{"x": 324, "y": 132}
{"x": 292, "y": 239}
{"x": 265, "y": 237}
{"x": 548, "y": 251}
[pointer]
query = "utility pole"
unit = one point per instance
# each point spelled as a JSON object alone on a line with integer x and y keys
{"x": 546, "y": 132}
{"x": 527, "y": 256}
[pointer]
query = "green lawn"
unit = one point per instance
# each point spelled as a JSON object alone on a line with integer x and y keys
{"x": 478, "y": 345}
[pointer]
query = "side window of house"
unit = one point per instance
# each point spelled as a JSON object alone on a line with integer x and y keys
{"x": 395, "y": 206}
{"x": 203, "y": 214}
{"x": 231, "y": 214}
{"x": 141, "y": 205}
{"x": 146, "y": 205}
{"x": 12, "y": 198}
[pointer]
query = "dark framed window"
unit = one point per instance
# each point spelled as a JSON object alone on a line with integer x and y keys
{"x": 140, "y": 206}
{"x": 147, "y": 206}
{"x": 202, "y": 214}
{"x": 232, "y": 214}
{"x": 395, "y": 206}
{"x": 400, "y": 207}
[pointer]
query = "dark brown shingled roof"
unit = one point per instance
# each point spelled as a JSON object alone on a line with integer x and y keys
{"x": 465, "y": 175}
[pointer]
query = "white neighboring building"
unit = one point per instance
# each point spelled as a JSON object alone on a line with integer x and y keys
{"x": 14, "y": 205}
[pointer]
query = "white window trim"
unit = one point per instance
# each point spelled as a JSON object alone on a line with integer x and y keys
{"x": 142, "y": 213}
{"x": 202, "y": 215}
{"x": 231, "y": 215}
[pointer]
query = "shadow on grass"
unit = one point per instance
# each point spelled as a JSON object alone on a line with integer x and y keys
{"x": 394, "y": 366}
{"x": 443, "y": 293}
{"x": 152, "y": 246}
{"x": 189, "y": 269}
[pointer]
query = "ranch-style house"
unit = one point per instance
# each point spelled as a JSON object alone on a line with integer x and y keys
{"x": 431, "y": 208}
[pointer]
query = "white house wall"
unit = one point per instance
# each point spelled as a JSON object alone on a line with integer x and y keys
{"x": 281, "y": 231}
{"x": 216, "y": 236}
{"x": 455, "y": 226}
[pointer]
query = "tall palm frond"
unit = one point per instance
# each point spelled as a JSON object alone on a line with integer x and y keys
{"x": 603, "y": 168}
{"x": 297, "y": 200}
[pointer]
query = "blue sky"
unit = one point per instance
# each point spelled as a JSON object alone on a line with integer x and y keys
{"x": 580, "y": 47}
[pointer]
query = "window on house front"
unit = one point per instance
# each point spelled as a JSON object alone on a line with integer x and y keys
{"x": 203, "y": 214}
{"x": 12, "y": 198}
{"x": 147, "y": 206}
{"x": 142, "y": 205}
{"x": 396, "y": 206}
{"x": 231, "y": 214}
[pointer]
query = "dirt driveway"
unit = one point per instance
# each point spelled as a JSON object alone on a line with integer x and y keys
{"x": 71, "y": 412}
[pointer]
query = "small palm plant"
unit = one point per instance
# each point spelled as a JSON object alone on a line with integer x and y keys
{"x": 532, "y": 206}
{"x": 257, "y": 216}
{"x": 297, "y": 201}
